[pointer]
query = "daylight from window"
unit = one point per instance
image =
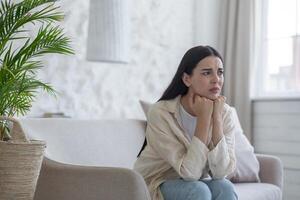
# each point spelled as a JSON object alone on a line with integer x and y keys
{"x": 282, "y": 49}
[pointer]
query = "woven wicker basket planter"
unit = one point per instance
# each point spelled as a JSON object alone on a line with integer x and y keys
{"x": 20, "y": 164}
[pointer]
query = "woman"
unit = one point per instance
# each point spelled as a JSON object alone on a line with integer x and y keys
{"x": 190, "y": 134}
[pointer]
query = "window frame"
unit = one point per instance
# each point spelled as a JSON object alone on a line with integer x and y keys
{"x": 259, "y": 80}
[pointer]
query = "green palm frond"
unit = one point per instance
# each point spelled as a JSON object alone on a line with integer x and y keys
{"x": 15, "y": 16}
{"x": 18, "y": 66}
{"x": 48, "y": 40}
{"x": 18, "y": 93}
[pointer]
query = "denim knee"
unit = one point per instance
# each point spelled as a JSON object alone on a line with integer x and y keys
{"x": 198, "y": 191}
{"x": 222, "y": 189}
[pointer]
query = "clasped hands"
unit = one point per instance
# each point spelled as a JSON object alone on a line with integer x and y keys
{"x": 208, "y": 112}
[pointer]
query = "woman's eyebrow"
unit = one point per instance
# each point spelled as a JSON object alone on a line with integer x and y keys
{"x": 206, "y": 69}
{"x": 210, "y": 69}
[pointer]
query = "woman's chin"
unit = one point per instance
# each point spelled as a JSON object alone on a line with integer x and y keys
{"x": 213, "y": 96}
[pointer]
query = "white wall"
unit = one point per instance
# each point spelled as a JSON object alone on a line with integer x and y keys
{"x": 207, "y": 17}
{"x": 161, "y": 33}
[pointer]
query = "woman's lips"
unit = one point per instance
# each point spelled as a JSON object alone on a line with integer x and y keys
{"x": 214, "y": 90}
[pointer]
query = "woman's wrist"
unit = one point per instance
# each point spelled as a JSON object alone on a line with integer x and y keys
{"x": 202, "y": 129}
{"x": 217, "y": 133}
{"x": 217, "y": 118}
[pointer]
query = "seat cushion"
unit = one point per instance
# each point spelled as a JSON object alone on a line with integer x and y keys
{"x": 261, "y": 191}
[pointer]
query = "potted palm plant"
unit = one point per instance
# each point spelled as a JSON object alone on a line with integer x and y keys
{"x": 20, "y": 60}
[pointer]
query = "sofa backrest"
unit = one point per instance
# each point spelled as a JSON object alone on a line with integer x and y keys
{"x": 113, "y": 143}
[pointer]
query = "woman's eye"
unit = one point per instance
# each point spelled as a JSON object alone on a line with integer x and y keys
{"x": 220, "y": 72}
{"x": 205, "y": 73}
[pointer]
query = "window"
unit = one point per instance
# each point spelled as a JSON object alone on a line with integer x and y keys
{"x": 278, "y": 65}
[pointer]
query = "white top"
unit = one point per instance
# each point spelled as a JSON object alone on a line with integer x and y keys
{"x": 188, "y": 122}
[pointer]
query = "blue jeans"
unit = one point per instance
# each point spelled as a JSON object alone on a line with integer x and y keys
{"x": 179, "y": 189}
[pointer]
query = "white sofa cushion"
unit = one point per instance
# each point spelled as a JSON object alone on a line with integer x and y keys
{"x": 262, "y": 191}
{"x": 111, "y": 143}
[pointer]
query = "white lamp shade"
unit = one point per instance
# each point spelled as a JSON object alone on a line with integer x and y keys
{"x": 108, "y": 33}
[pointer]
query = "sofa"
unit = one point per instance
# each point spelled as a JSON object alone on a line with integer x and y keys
{"x": 93, "y": 160}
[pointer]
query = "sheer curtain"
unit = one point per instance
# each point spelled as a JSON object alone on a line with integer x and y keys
{"x": 236, "y": 44}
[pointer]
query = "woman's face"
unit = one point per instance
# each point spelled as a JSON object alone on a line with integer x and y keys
{"x": 206, "y": 79}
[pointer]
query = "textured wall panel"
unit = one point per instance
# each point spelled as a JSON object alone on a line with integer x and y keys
{"x": 276, "y": 132}
{"x": 161, "y": 32}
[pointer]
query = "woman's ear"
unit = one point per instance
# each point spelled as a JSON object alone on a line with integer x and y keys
{"x": 186, "y": 79}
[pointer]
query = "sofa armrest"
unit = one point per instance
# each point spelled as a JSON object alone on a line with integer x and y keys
{"x": 271, "y": 169}
{"x": 72, "y": 182}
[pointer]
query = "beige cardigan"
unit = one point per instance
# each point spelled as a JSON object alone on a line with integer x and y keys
{"x": 169, "y": 154}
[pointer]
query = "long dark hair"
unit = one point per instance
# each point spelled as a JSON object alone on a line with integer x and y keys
{"x": 189, "y": 61}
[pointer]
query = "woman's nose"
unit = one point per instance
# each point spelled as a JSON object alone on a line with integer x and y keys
{"x": 215, "y": 78}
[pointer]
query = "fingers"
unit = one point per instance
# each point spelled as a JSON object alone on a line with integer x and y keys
{"x": 220, "y": 99}
{"x": 200, "y": 99}
{"x": 218, "y": 106}
{"x": 223, "y": 98}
